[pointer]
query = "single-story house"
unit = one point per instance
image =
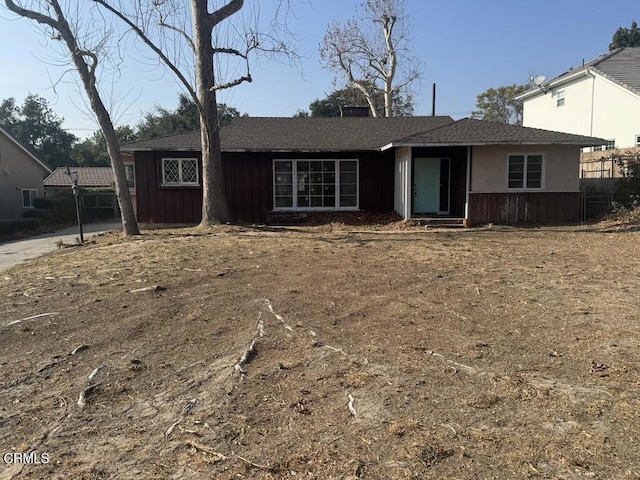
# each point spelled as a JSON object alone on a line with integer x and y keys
{"x": 469, "y": 170}
{"x": 21, "y": 174}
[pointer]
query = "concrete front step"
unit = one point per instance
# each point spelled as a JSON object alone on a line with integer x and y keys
{"x": 444, "y": 222}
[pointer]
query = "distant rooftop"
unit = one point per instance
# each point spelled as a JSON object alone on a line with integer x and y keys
{"x": 87, "y": 177}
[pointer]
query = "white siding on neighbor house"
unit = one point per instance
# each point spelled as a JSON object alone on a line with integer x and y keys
{"x": 489, "y": 172}
{"x": 593, "y": 106}
{"x": 17, "y": 172}
{"x": 403, "y": 188}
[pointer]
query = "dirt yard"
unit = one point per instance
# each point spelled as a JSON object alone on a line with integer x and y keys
{"x": 322, "y": 352}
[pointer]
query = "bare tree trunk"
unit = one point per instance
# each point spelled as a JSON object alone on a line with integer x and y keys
{"x": 88, "y": 77}
{"x": 215, "y": 209}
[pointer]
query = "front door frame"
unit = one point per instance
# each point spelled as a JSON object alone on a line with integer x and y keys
{"x": 444, "y": 182}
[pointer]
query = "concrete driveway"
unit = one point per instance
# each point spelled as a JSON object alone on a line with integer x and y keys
{"x": 19, "y": 251}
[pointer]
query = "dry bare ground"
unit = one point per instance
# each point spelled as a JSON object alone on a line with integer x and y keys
{"x": 320, "y": 352}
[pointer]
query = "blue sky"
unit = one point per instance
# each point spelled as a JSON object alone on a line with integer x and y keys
{"x": 464, "y": 46}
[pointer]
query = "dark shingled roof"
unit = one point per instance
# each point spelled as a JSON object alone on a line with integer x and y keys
{"x": 301, "y": 134}
{"x": 481, "y": 132}
{"x": 87, "y": 177}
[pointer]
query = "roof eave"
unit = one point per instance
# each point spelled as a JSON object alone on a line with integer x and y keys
{"x": 24, "y": 149}
{"x": 553, "y": 83}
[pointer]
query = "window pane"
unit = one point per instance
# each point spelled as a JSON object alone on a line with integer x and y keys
{"x": 348, "y": 166}
{"x": 534, "y": 171}
{"x": 348, "y": 178}
{"x": 284, "y": 178}
{"x": 189, "y": 171}
{"x": 170, "y": 172}
{"x": 284, "y": 202}
{"x": 534, "y": 182}
{"x": 329, "y": 202}
{"x": 516, "y": 171}
{"x": 348, "y": 201}
{"x": 303, "y": 201}
{"x": 329, "y": 178}
{"x": 315, "y": 166}
{"x": 348, "y": 189}
{"x": 329, "y": 190}
{"x": 329, "y": 166}
{"x": 302, "y": 166}
{"x": 316, "y": 201}
{"x": 129, "y": 171}
{"x": 283, "y": 190}
{"x": 283, "y": 167}
{"x": 316, "y": 178}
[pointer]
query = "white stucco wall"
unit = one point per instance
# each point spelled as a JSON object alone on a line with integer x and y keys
{"x": 593, "y": 106}
{"x": 489, "y": 169}
{"x": 17, "y": 171}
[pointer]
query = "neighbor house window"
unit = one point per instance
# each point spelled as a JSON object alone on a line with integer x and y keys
{"x": 180, "y": 171}
{"x": 130, "y": 173}
{"x": 525, "y": 171}
{"x": 28, "y": 197}
{"x": 560, "y": 98}
{"x": 315, "y": 184}
{"x": 637, "y": 140}
{"x": 610, "y": 145}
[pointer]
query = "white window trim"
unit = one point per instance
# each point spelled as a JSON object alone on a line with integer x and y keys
{"x": 524, "y": 187}
{"x": 560, "y": 98}
{"x": 31, "y": 197}
{"x": 294, "y": 185}
{"x": 133, "y": 171}
{"x": 180, "y": 182}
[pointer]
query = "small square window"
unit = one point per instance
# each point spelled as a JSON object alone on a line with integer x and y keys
{"x": 525, "y": 171}
{"x": 610, "y": 145}
{"x": 28, "y": 197}
{"x": 130, "y": 173}
{"x": 560, "y": 98}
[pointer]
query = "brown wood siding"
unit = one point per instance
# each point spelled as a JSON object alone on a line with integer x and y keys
{"x": 249, "y": 185}
{"x": 158, "y": 204}
{"x": 458, "y": 156}
{"x": 525, "y": 207}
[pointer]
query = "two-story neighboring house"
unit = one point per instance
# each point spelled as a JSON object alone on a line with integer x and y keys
{"x": 21, "y": 175}
{"x": 598, "y": 99}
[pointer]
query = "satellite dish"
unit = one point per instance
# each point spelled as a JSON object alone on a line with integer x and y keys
{"x": 538, "y": 80}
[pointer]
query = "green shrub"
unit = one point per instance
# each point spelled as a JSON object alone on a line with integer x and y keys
{"x": 59, "y": 209}
{"x": 628, "y": 187}
{"x": 11, "y": 227}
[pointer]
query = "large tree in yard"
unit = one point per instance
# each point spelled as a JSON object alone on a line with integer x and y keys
{"x": 84, "y": 37}
{"x": 500, "y": 104}
{"x": 35, "y": 125}
{"x": 217, "y": 44}
{"x": 371, "y": 52}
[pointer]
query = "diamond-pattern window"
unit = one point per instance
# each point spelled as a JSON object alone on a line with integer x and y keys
{"x": 180, "y": 171}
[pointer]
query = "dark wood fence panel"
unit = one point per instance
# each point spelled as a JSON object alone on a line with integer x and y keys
{"x": 525, "y": 207}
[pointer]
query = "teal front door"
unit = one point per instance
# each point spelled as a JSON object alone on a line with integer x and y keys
{"x": 431, "y": 185}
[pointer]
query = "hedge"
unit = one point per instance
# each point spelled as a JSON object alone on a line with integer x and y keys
{"x": 11, "y": 227}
